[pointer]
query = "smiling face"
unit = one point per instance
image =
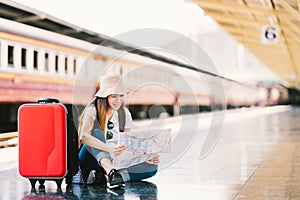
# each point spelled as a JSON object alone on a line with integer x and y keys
{"x": 115, "y": 101}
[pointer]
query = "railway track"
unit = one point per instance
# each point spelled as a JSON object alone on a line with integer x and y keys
{"x": 8, "y": 139}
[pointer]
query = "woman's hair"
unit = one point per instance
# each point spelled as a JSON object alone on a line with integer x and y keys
{"x": 101, "y": 105}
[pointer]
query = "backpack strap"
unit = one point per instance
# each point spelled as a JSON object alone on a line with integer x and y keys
{"x": 122, "y": 118}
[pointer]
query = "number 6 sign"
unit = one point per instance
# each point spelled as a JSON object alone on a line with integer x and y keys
{"x": 269, "y": 34}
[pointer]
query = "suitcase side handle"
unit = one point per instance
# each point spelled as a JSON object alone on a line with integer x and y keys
{"x": 48, "y": 100}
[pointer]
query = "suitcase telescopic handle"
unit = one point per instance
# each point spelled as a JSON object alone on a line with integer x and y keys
{"x": 48, "y": 100}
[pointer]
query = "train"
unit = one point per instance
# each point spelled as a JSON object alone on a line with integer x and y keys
{"x": 37, "y": 63}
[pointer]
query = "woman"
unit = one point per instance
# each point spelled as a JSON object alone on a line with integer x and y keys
{"x": 99, "y": 129}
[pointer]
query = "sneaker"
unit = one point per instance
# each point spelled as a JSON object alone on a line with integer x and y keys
{"x": 114, "y": 179}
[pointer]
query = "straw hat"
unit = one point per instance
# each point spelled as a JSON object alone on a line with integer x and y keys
{"x": 111, "y": 84}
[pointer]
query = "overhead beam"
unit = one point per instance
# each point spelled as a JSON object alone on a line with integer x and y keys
{"x": 31, "y": 18}
{"x": 291, "y": 10}
{"x": 216, "y": 5}
{"x": 239, "y": 20}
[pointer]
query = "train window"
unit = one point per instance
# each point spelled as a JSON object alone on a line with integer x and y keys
{"x": 46, "y": 62}
{"x": 66, "y": 65}
{"x": 10, "y": 56}
{"x": 74, "y": 66}
{"x": 56, "y": 63}
{"x": 35, "y": 59}
{"x": 23, "y": 57}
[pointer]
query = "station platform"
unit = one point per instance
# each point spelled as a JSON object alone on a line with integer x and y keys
{"x": 256, "y": 156}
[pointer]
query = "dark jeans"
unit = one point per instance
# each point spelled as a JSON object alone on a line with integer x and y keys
{"x": 88, "y": 162}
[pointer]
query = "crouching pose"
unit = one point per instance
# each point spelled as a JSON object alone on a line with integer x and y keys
{"x": 99, "y": 126}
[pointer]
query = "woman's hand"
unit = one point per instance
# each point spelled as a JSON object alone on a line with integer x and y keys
{"x": 154, "y": 160}
{"x": 117, "y": 150}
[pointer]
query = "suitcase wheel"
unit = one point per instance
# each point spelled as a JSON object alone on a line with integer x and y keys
{"x": 32, "y": 182}
{"x": 41, "y": 181}
{"x": 58, "y": 183}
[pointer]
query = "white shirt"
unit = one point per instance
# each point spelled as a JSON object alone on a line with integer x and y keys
{"x": 91, "y": 111}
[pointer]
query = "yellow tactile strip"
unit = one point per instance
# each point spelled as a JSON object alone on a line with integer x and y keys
{"x": 277, "y": 177}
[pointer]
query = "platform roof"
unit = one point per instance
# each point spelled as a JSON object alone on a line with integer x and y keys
{"x": 270, "y": 29}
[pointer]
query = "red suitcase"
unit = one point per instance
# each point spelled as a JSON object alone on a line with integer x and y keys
{"x": 43, "y": 142}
